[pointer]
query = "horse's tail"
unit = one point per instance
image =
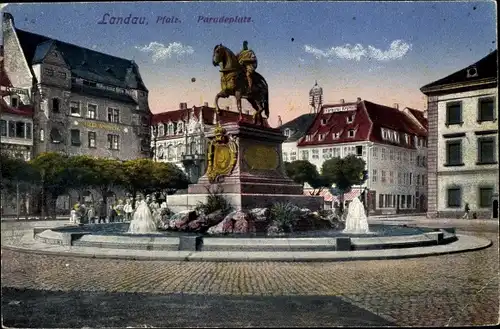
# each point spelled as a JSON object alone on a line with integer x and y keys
{"x": 265, "y": 93}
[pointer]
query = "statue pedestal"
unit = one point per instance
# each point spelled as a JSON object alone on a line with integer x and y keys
{"x": 258, "y": 178}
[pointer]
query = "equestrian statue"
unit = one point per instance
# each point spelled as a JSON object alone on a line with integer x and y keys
{"x": 239, "y": 79}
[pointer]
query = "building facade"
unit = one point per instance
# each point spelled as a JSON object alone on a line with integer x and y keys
{"x": 463, "y": 141}
{"x": 391, "y": 141}
{"x": 179, "y": 136}
{"x": 84, "y": 102}
{"x": 16, "y": 134}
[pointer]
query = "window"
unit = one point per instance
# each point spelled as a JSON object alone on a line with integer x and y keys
{"x": 161, "y": 152}
{"x": 285, "y": 157}
{"x": 89, "y": 83}
{"x": 486, "y": 150}
{"x": 418, "y": 160}
{"x": 374, "y": 175}
{"x": 400, "y": 178}
{"x": 381, "y": 201}
{"x": 304, "y": 155}
{"x": 486, "y": 110}
{"x": 12, "y": 129}
{"x": 75, "y": 137}
{"x": 336, "y": 152}
{"x": 55, "y": 136}
{"x": 49, "y": 72}
{"x": 92, "y": 138}
{"x": 308, "y": 138}
{"x": 113, "y": 142}
{"x": 351, "y": 133}
{"x": 315, "y": 154}
{"x": 383, "y": 176}
{"x": 403, "y": 199}
{"x": 399, "y": 156}
{"x": 453, "y": 113}
{"x": 327, "y": 153}
{"x": 55, "y": 105}
{"x": 384, "y": 156}
{"x": 411, "y": 176}
{"x": 424, "y": 163}
{"x": 485, "y": 197}
{"x": 91, "y": 111}
{"x": 359, "y": 150}
{"x": 113, "y": 115}
{"x": 170, "y": 153}
{"x": 323, "y": 122}
{"x": 3, "y": 128}
{"x": 423, "y": 180}
{"x": 170, "y": 128}
{"x": 14, "y": 101}
{"x": 74, "y": 108}
{"x": 350, "y": 118}
{"x": 28, "y": 130}
{"x": 180, "y": 127}
{"x": 336, "y": 135}
{"x": 42, "y": 135}
{"x": 454, "y": 197}
{"x": 375, "y": 152}
{"x": 293, "y": 156}
{"x": 321, "y": 137}
{"x": 161, "y": 129}
{"x": 20, "y": 129}
{"x": 391, "y": 177}
{"x": 62, "y": 75}
{"x": 418, "y": 180}
{"x": 391, "y": 154}
{"x": 454, "y": 153}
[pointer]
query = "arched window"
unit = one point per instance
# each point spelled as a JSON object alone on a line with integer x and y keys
{"x": 193, "y": 149}
{"x": 160, "y": 153}
{"x": 180, "y": 127}
{"x": 170, "y": 152}
{"x": 161, "y": 129}
{"x": 55, "y": 136}
{"x": 288, "y": 132}
{"x": 170, "y": 128}
{"x": 42, "y": 135}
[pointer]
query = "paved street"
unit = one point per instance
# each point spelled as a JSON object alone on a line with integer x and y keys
{"x": 53, "y": 291}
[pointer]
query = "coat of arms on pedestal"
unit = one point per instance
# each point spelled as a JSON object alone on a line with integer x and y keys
{"x": 222, "y": 155}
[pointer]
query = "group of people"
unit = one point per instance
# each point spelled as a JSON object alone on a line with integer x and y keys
{"x": 118, "y": 211}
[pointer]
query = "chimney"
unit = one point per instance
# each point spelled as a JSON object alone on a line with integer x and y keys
{"x": 205, "y": 104}
{"x": 181, "y": 106}
{"x": 359, "y": 99}
{"x": 279, "y": 121}
{"x": 396, "y": 106}
{"x": 342, "y": 101}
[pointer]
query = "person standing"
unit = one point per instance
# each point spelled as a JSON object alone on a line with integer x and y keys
{"x": 467, "y": 210}
{"x": 101, "y": 211}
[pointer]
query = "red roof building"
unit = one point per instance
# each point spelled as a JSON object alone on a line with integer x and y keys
{"x": 391, "y": 141}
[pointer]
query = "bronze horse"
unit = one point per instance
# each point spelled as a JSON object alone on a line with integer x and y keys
{"x": 234, "y": 83}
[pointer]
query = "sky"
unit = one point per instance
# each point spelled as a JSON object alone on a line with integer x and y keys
{"x": 383, "y": 52}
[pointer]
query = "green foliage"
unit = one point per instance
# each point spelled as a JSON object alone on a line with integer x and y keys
{"x": 302, "y": 171}
{"x": 17, "y": 174}
{"x": 215, "y": 201}
{"x": 169, "y": 178}
{"x": 54, "y": 172}
{"x": 344, "y": 172}
{"x": 284, "y": 216}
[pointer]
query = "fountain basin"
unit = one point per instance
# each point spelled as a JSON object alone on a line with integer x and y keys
{"x": 114, "y": 236}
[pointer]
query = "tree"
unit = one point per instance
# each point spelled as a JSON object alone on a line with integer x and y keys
{"x": 108, "y": 174}
{"x": 345, "y": 172}
{"x": 301, "y": 171}
{"x": 139, "y": 176}
{"x": 55, "y": 178}
{"x": 83, "y": 173}
{"x": 169, "y": 178}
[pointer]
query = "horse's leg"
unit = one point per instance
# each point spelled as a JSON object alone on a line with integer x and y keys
{"x": 221, "y": 94}
{"x": 237, "y": 94}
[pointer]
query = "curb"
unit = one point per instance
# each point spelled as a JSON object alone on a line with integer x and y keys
{"x": 189, "y": 256}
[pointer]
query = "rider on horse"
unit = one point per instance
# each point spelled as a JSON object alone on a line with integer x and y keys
{"x": 248, "y": 60}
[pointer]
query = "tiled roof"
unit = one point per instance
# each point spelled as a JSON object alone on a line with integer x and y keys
{"x": 208, "y": 115}
{"x": 486, "y": 68}
{"x": 299, "y": 126}
{"x": 84, "y": 63}
{"x": 419, "y": 115}
{"x": 330, "y": 123}
{"x": 367, "y": 122}
{"x": 23, "y": 110}
{"x": 85, "y": 90}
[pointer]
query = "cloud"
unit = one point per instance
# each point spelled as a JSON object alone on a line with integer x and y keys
{"x": 159, "y": 51}
{"x": 397, "y": 50}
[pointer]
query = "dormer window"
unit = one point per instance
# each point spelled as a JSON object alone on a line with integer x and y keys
{"x": 308, "y": 138}
{"x": 161, "y": 129}
{"x": 407, "y": 139}
{"x": 287, "y": 132}
{"x": 351, "y": 133}
{"x": 350, "y": 118}
{"x": 170, "y": 128}
{"x": 180, "y": 127}
{"x": 384, "y": 135}
{"x": 472, "y": 72}
{"x": 323, "y": 121}
{"x": 336, "y": 135}
{"x": 14, "y": 101}
{"x": 321, "y": 137}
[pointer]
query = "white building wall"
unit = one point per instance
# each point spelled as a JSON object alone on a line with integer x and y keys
{"x": 469, "y": 177}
